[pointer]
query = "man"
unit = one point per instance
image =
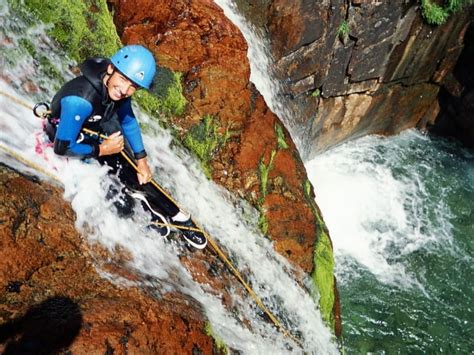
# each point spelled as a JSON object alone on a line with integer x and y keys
{"x": 100, "y": 100}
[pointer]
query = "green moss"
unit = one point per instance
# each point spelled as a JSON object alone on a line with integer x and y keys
{"x": 343, "y": 30}
{"x": 323, "y": 274}
{"x": 316, "y": 93}
{"x": 168, "y": 89}
{"x": 280, "y": 137}
{"x": 174, "y": 102}
{"x": 307, "y": 189}
{"x": 264, "y": 170}
{"x": 149, "y": 103}
{"x": 435, "y": 14}
{"x": 84, "y": 28}
{"x": 219, "y": 343}
{"x": 45, "y": 65}
{"x": 263, "y": 222}
{"x": 204, "y": 140}
{"x": 49, "y": 68}
{"x": 29, "y": 46}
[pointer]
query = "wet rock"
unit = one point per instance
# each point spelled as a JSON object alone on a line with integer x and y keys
{"x": 361, "y": 47}
{"x": 341, "y": 117}
{"x": 456, "y": 104}
{"x": 295, "y": 25}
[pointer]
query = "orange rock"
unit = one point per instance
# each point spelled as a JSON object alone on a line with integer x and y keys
{"x": 51, "y": 296}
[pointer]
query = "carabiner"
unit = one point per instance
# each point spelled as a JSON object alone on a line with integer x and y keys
{"x": 45, "y": 112}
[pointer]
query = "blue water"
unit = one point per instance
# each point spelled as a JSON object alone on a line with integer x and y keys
{"x": 400, "y": 211}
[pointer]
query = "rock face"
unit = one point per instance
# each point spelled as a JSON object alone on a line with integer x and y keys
{"x": 53, "y": 299}
{"x": 351, "y": 68}
{"x": 456, "y": 99}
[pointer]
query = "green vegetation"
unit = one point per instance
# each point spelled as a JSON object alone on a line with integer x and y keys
{"x": 436, "y": 14}
{"x": 85, "y": 28}
{"x": 343, "y": 30}
{"x": 262, "y": 222}
{"x": 264, "y": 170}
{"x": 204, "y": 140}
{"x": 169, "y": 89}
{"x": 166, "y": 96}
{"x": 280, "y": 137}
{"x": 316, "y": 93}
{"x": 219, "y": 343}
{"x": 46, "y": 65}
{"x": 307, "y": 189}
{"x": 323, "y": 274}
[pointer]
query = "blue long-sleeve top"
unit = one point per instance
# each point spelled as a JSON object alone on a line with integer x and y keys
{"x": 75, "y": 111}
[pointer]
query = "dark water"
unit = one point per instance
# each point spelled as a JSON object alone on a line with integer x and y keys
{"x": 401, "y": 215}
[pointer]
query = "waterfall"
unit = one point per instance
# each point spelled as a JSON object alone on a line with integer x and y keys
{"x": 231, "y": 222}
{"x": 261, "y": 73}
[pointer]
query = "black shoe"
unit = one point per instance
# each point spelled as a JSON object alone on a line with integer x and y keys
{"x": 158, "y": 222}
{"x": 194, "y": 238}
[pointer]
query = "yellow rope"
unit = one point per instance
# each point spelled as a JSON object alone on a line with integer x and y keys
{"x": 216, "y": 248}
{"x": 210, "y": 240}
{"x": 29, "y": 163}
{"x": 18, "y": 101}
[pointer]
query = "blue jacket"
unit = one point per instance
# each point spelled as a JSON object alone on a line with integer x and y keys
{"x": 83, "y": 102}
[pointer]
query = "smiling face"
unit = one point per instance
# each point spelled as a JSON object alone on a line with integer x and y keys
{"x": 118, "y": 86}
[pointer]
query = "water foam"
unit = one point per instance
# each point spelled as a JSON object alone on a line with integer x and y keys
{"x": 376, "y": 208}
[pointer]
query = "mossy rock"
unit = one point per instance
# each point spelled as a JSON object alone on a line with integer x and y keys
{"x": 323, "y": 273}
{"x": 85, "y": 28}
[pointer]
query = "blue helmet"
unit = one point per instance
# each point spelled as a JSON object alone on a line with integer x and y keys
{"x": 136, "y": 63}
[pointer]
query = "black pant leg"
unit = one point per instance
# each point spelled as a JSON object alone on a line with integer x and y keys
{"x": 128, "y": 176}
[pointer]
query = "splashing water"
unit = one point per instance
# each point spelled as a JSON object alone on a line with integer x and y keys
{"x": 230, "y": 222}
{"x": 400, "y": 214}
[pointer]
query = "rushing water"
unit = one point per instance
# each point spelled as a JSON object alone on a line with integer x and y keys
{"x": 261, "y": 73}
{"x": 400, "y": 212}
{"x": 232, "y": 223}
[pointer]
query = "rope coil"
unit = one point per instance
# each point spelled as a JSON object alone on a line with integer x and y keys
{"x": 210, "y": 240}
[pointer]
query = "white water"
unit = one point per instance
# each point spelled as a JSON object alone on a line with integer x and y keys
{"x": 261, "y": 68}
{"x": 377, "y": 217}
{"x": 222, "y": 216}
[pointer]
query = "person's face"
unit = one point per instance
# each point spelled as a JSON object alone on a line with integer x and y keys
{"x": 118, "y": 86}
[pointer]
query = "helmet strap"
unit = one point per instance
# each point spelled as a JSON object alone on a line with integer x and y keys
{"x": 109, "y": 74}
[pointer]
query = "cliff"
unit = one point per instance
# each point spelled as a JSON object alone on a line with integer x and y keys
{"x": 351, "y": 68}
{"x": 456, "y": 98}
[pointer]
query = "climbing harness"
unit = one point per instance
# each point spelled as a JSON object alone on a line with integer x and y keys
{"x": 43, "y": 114}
